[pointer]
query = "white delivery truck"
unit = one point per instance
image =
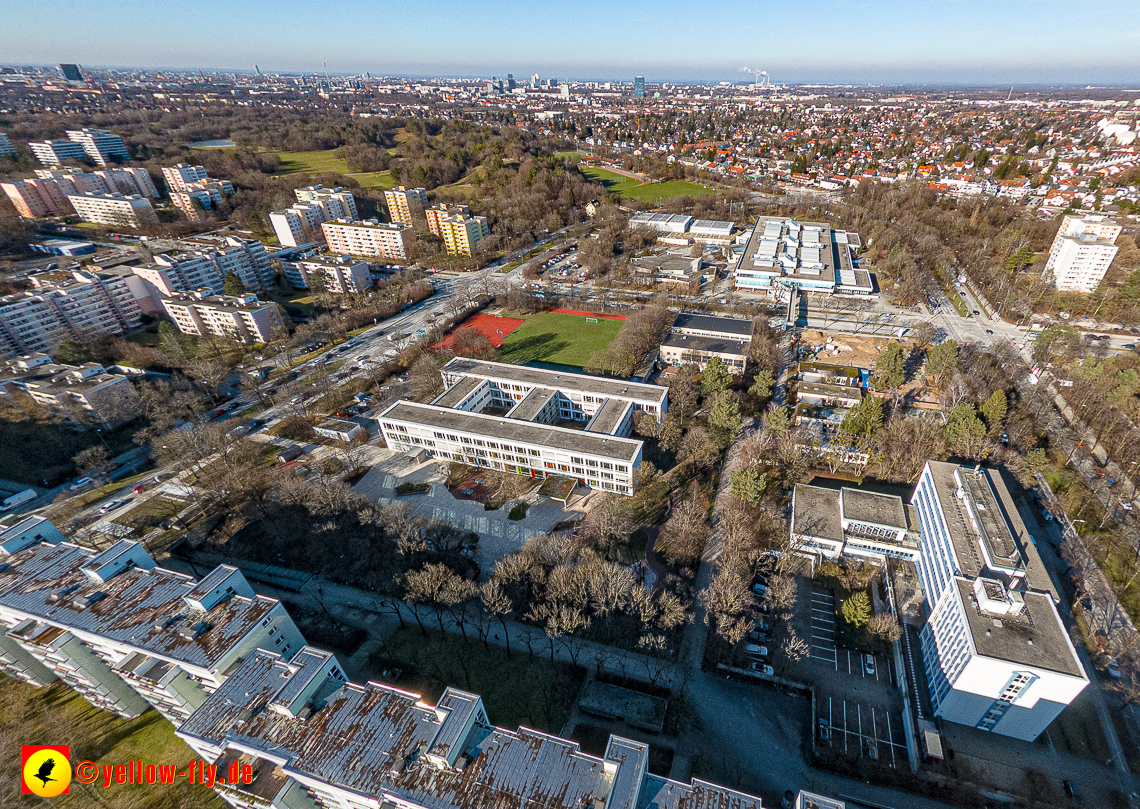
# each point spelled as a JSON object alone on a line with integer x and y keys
{"x": 19, "y": 499}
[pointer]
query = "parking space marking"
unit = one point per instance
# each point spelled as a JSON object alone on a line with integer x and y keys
{"x": 856, "y": 729}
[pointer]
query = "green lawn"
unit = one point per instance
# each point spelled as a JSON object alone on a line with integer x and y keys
{"x": 556, "y": 338}
{"x": 321, "y": 162}
{"x": 645, "y": 192}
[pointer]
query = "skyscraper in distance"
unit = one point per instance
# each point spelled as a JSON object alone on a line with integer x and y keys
{"x": 639, "y": 87}
{"x": 70, "y": 72}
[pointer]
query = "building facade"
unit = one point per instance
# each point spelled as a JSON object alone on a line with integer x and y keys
{"x": 337, "y": 275}
{"x": 98, "y": 144}
{"x": 180, "y": 176}
{"x": 508, "y": 417}
{"x": 81, "y": 393}
{"x": 47, "y": 194}
{"x": 852, "y": 522}
{"x": 174, "y": 273}
{"x": 301, "y": 223}
{"x": 783, "y": 254}
{"x": 996, "y": 654}
{"x": 114, "y": 210}
{"x": 1082, "y": 252}
{"x": 404, "y": 203}
{"x": 371, "y": 238}
{"x": 66, "y": 306}
{"x": 444, "y": 210}
{"x": 6, "y": 147}
{"x": 461, "y": 234}
{"x": 243, "y": 318}
{"x": 126, "y": 634}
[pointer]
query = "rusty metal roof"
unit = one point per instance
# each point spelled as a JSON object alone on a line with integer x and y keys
{"x": 142, "y": 609}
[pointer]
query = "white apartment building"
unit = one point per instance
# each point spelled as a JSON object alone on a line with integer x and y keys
{"x": 315, "y": 205}
{"x": 64, "y": 306}
{"x": 179, "y": 176}
{"x": 370, "y": 238}
{"x": 84, "y": 392}
{"x": 126, "y": 634}
{"x": 852, "y": 522}
{"x": 783, "y": 254}
{"x": 47, "y": 193}
{"x": 98, "y": 144}
{"x": 1082, "y": 251}
{"x": 36, "y": 198}
{"x": 312, "y": 739}
{"x": 207, "y": 195}
{"x": 243, "y": 318}
{"x": 509, "y": 417}
{"x": 996, "y": 654}
{"x": 338, "y": 275}
{"x": 6, "y": 147}
{"x": 114, "y": 210}
{"x": 127, "y": 180}
{"x": 405, "y": 203}
{"x": 174, "y": 273}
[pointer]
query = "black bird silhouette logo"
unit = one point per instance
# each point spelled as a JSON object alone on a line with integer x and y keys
{"x": 45, "y": 770}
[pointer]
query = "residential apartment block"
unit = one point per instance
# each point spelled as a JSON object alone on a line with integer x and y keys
{"x": 180, "y": 176}
{"x": 1082, "y": 252}
{"x": 83, "y": 393}
{"x": 173, "y": 273}
{"x": 242, "y": 318}
{"x": 98, "y": 144}
{"x": 514, "y": 418}
{"x": 370, "y": 238}
{"x": 126, "y": 634}
{"x": 996, "y": 654}
{"x": 47, "y": 194}
{"x": 35, "y": 198}
{"x": 337, "y": 275}
{"x": 6, "y": 147}
{"x": 461, "y": 234}
{"x": 114, "y": 210}
{"x": 312, "y": 739}
{"x": 783, "y": 254}
{"x": 66, "y": 306}
{"x": 405, "y": 203}
{"x": 301, "y": 223}
{"x": 444, "y": 210}
{"x": 194, "y": 192}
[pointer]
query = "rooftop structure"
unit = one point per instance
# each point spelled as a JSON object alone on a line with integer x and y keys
{"x": 78, "y": 392}
{"x": 783, "y": 253}
{"x": 852, "y": 522}
{"x": 724, "y": 328}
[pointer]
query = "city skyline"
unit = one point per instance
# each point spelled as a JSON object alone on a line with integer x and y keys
{"x": 881, "y": 42}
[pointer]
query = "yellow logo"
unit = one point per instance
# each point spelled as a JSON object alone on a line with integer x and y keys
{"x": 46, "y": 772}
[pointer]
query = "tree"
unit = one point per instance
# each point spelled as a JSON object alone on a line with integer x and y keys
{"x": 777, "y": 422}
{"x": 994, "y": 410}
{"x": 715, "y": 378}
{"x": 762, "y": 384}
{"x": 92, "y": 459}
{"x": 794, "y": 647}
{"x": 863, "y": 421}
{"x": 885, "y": 626}
{"x": 964, "y": 430}
{"x": 671, "y": 432}
{"x": 468, "y": 341}
{"x": 699, "y": 448}
{"x": 609, "y": 521}
{"x": 1035, "y": 461}
{"x": 424, "y": 380}
{"x": 924, "y": 334}
{"x": 748, "y": 485}
{"x": 857, "y": 609}
{"x": 70, "y": 352}
{"x": 724, "y": 415}
{"x": 685, "y": 532}
{"x": 942, "y": 361}
{"x": 890, "y": 367}
{"x": 683, "y": 390}
{"x": 233, "y": 284}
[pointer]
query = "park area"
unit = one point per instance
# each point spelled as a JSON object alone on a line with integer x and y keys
{"x": 653, "y": 193}
{"x": 559, "y": 338}
{"x": 322, "y": 162}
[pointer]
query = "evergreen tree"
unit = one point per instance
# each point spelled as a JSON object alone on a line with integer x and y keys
{"x": 233, "y": 285}
{"x": 762, "y": 384}
{"x": 715, "y": 378}
{"x": 942, "y": 360}
{"x": 857, "y": 609}
{"x": 748, "y": 485}
{"x": 994, "y": 410}
{"x": 777, "y": 422}
{"x": 890, "y": 367}
{"x": 724, "y": 416}
{"x": 864, "y": 420}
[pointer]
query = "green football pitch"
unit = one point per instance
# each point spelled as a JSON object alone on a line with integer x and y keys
{"x": 560, "y": 339}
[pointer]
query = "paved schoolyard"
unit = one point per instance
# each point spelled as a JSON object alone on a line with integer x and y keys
{"x": 498, "y": 535}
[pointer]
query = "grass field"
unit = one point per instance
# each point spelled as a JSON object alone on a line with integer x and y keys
{"x": 557, "y": 338}
{"x": 326, "y": 161}
{"x": 645, "y": 192}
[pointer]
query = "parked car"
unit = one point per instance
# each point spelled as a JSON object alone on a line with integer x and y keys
{"x": 753, "y": 649}
{"x": 757, "y": 636}
{"x": 762, "y": 668}
{"x": 114, "y": 504}
{"x": 82, "y": 483}
{"x": 1113, "y": 669}
{"x": 824, "y": 730}
{"x": 759, "y": 589}
{"x": 869, "y": 665}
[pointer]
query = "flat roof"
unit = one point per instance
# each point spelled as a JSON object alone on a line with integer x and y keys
{"x": 725, "y": 325}
{"x": 559, "y": 438}
{"x": 817, "y": 513}
{"x": 528, "y": 408}
{"x": 872, "y": 507}
{"x": 143, "y": 609}
{"x": 714, "y": 345}
{"x": 559, "y": 380}
{"x": 609, "y": 416}
{"x": 1034, "y": 638}
{"x": 454, "y": 396}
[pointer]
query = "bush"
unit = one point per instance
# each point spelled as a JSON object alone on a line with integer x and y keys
{"x": 412, "y": 488}
{"x": 519, "y": 511}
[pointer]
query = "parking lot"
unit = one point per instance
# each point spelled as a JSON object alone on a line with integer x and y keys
{"x": 856, "y": 694}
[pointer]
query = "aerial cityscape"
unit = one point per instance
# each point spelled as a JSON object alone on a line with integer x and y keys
{"x": 402, "y": 417}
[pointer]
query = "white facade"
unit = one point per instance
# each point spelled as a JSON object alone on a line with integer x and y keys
{"x": 301, "y": 223}
{"x": 84, "y": 393}
{"x": 242, "y": 318}
{"x": 372, "y": 239}
{"x": 339, "y": 275}
{"x": 996, "y": 654}
{"x": 55, "y": 311}
{"x": 782, "y": 254}
{"x": 173, "y": 273}
{"x": 54, "y": 152}
{"x": 1081, "y": 252}
{"x": 6, "y": 147}
{"x": 851, "y": 522}
{"x": 114, "y": 210}
{"x": 336, "y": 203}
{"x": 179, "y": 176}
{"x": 99, "y": 144}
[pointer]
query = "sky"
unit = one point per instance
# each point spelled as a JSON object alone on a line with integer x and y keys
{"x": 832, "y": 41}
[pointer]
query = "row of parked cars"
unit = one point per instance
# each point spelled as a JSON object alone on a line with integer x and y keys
{"x": 761, "y": 632}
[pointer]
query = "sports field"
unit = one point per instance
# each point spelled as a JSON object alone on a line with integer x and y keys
{"x": 325, "y": 161}
{"x": 644, "y": 192}
{"x": 557, "y": 338}
{"x": 495, "y": 329}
